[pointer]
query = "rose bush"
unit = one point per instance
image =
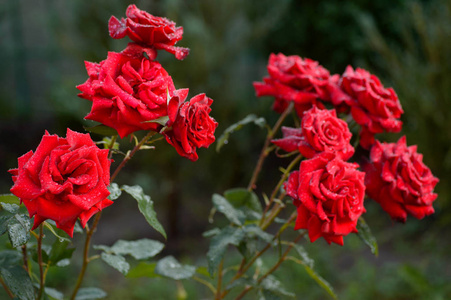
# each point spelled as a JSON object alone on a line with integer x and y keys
{"x": 321, "y": 131}
{"x": 328, "y": 194}
{"x": 63, "y": 180}
{"x": 292, "y": 78}
{"x": 127, "y": 92}
{"x": 399, "y": 181}
{"x": 148, "y": 30}
{"x": 375, "y": 108}
{"x": 190, "y": 125}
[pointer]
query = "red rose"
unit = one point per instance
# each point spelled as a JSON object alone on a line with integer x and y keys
{"x": 190, "y": 125}
{"x": 321, "y": 131}
{"x": 65, "y": 179}
{"x": 127, "y": 92}
{"x": 328, "y": 193}
{"x": 292, "y": 78}
{"x": 374, "y": 107}
{"x": 143, "y": 28}
{"x": 399, "y": 181}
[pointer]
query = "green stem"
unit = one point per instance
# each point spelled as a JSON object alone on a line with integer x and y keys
{"x": 264, "y": 153}
{"x": 8, "y": 291}
{"x": 40, "y": 263}
{"x": 89, "y": 233}
{"x": 218, "y": 288}
{"x": 206, "y": 283}
{"x": 25, "y": 258}
{"x": 275, "y": 267}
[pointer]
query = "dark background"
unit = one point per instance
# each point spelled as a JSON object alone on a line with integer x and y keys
{"x": 407, "y": 44}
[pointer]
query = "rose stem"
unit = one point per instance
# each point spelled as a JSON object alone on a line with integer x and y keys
{"x": 218, "y": 288}
{"x": 8, "y": 291}
{"x": 111, "y": 145}
{"x": 264, "y": 152}
{"x": 285, "y": 175}
{"x": 275, "y": 267}
{"x": 41, "y": 271}
{"x": 25, "y": 257}
{"x": 90, "y": 231}
{"x": 244, "y": 267}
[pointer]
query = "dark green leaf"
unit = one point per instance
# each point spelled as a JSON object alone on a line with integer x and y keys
{"x": 240, "y": 197}
{"x": 223, "y": 206}
{"x": 304, "y": 256}
{"x": 116, "y": 261}
{"x": 90, "y": 293}
{"x": 254, "y": 231}
{"x": 9, "y": 258}
{"x": 101, "y": 129}
{"x": 143, "y": 269}
{"x": 170, "y": 267}
{"x": 18, "y": 281}
{"x": 59, "y": 252}
{"x": 366, "y": 235}
{"x": 140, "y": 249}
{"x": 224, "y": 138}
{"x": 273, "y": 285}
{"x": 145, "y": 205}
{"x": 77, "y": 228}
{"x": 19, "y": 230}
{"x": 54, "y": 294}
{"x": 211, "y": 232}
{"x": 321, "y": 281}
{"x": 10, "y": 199}
{"x": 219, "y": 243}
{"x": 115, "y": 191}
{"x": 11, "y": 208}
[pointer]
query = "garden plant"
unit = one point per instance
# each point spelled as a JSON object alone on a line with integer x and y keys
{"x": 328, "y": 131}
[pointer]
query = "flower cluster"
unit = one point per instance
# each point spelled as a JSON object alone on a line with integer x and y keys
{"x": 131, "y": 91}
{"x": 327, "y": 190}
{"x": 68, "y": 178}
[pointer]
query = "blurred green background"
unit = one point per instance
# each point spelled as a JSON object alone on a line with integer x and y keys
{"x": 406, "y": 43}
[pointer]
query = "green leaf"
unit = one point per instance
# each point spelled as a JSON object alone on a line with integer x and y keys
{"x": 18, "y": 281}
{"x": 59, "y": 252}
{"x": 116, "y": 261}
{"x": 19, "y": 230}
{"x": 321, "y": 281}
{"x": 211, "y": 232}
{"x": 222, "y": 205}
{"x": 106, "y": 141}
{"x": 161, "y": 120}
{"x": 254, "y": 231}
{"x": 304, "y": 256}
{"x": 101, "y": 130}
{"x": 145, "y": 205}
{"x": 115, "y": 191}
{"x": 139, "y": 249}
{"x": 365, "y": 234}
{"x": 9, "y": 258}
{"x": 54, "y": 294}
{"x": 241, "y": 197}
{"x": 273, "y": 285}
{"x": 10, "y": 207}
{"x": 90, "y": 293}
{"x": 219, "y": 243}
{"x": 170, "y": 267}
{"x": 224, "y": 138}
{"x": 10, "y": 199}
{"x": 143, "y": 269}
{"x": 50, "y": 225}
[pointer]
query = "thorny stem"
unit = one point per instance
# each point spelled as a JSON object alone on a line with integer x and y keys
{"x": 40, "y": 263}
{"x": 265, "y": 152}
{"x": 275, "y": 267}
{"x": 8, "y": 291}
{"x": 244, "y": 267}
{"x": 25, "y": 257}
{"x": 130, "y": 155}
{"x": 284, "y": 177}
{"x": 90, "y": 231}
{"x": 218, "y": 289}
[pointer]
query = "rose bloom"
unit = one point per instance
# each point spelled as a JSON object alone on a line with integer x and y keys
{"x": 399, "y": 181}
{"x": 64, "y": 179}
{"x": 146, "y": 29}
{"x": 127, "y": 92}
{"x": 190, "y": 125}
{"x": 321, "y": 131}
{"x": 292, "y": 78}
{"x": 328, "y": 194}
{"x": 375, "y": 108}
